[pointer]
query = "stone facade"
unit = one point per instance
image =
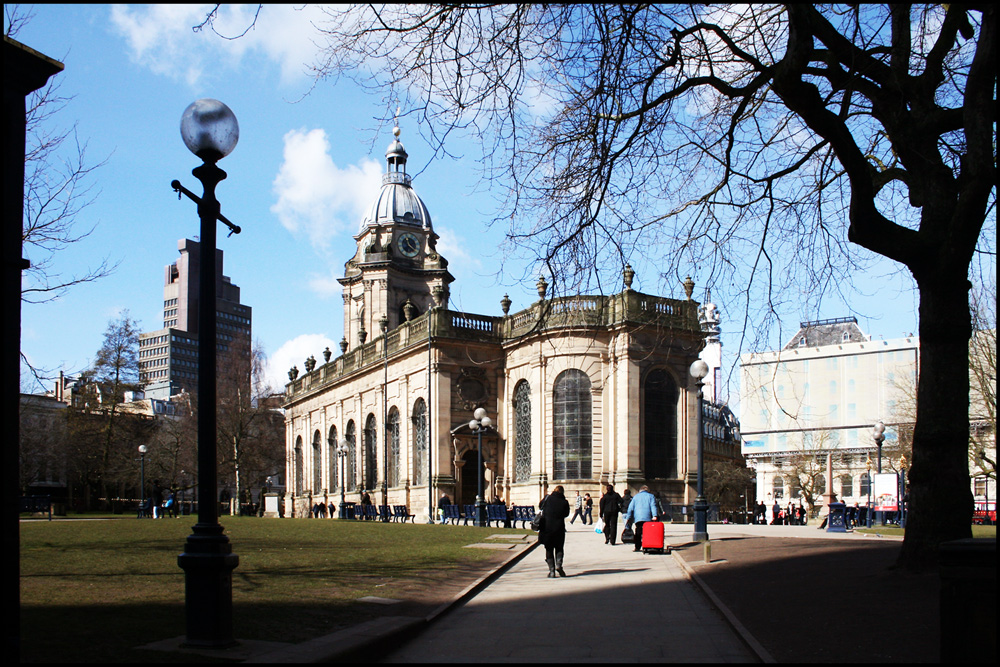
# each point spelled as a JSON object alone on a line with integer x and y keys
{"x": 582, "y": 390}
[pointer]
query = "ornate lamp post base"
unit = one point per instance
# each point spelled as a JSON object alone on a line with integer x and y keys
{"x": 208, "y": 564}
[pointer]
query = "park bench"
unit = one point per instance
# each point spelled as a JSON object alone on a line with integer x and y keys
{"x": 497, "y": 513}
{"x": 368, "y": 512}
{"x": 384, "y": 513}
{"x": 524, "y": 514}
{"x": 35, "y": 504}
{"x": 452, "y": 513}
{"x": 145, "y": 509}
{"x": 468, "y": 514}
{"x": 401, "y": 514}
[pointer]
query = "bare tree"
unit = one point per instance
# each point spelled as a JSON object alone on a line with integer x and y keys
{"x": 58, "y": 188}
{"x": 248, "y": 445}
{"x": 737, "y": 140}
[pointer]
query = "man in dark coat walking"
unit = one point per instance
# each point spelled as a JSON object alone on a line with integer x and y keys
{"x": 610, "y": 504}
{"x": 552, "y": 535}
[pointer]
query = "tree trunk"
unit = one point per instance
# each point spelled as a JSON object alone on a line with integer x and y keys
{"x": 940, "y": 499}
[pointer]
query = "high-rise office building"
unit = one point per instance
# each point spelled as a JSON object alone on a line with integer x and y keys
{"x": 168, "y": 357}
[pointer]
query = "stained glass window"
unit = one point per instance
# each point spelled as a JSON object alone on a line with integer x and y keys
{"x": 571, "y": 426}
{"x": 370, "y": 461}
{"x": 522, "y": 432}
{"x": 660, "y": 426}
{"x": 420, "y": 442}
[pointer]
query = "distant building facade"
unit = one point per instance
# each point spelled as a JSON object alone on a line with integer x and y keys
{"x": 168, "y": 357}
{"x": 582, "y": 390}
{"x": 823, "y": 392}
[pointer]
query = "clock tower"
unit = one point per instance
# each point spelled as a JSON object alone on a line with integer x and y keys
{"x": 396, "y": 270}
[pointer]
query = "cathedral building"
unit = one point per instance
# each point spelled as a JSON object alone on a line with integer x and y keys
{"x": 581, "y": 390}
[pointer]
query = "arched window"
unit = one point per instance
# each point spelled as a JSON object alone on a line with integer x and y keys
{"x": 392, "y": 433}
{"x": 571, "y": 426}
{"x": 779, "y": 487}
{"x": 370, "y": 461}
{"x": 866, "y": 484}
{"x": 522, "y": 432}
{"x": 846, "y": 485}
{"x": 350, "y": 434}
{"x": 420, "y": 442}
{"x": 660, "y": 426}
{"x": 333, "y": 458}
{"x": 317, "y": 462}
{"x": 297, "y": 455}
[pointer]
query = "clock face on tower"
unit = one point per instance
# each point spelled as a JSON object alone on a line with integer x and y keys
{"x": 409, "y": 245}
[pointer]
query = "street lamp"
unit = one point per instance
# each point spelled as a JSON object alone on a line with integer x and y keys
{"x": 878, "y": 435}
{"x": 480, "y": 423}
{"x": 342, "y": 451}
{"x": 698, "y": 370}
{"x": 142, "y": 475}
{"x": 210, "y": 131}
{"x": 902, "y": 491}
{"x": 868, "y": 511}
{"x": 383, "y": 324}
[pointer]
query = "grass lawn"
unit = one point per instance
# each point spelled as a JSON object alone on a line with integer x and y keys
{"x": 94, "y": 590}
{"x": 977, "y": 531}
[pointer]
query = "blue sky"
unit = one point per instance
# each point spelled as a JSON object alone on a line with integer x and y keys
{"x": 308, "y": 163}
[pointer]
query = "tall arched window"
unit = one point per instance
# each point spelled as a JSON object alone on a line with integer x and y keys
{"x": 779, "y": 487}
{"x": 660, "y": 426}
{"x": 522, "y": 432}
{"x": 350, "y": 434}
{"x": 420, "y": 442}
{"x": 317, "y": 462}
{"x": 866, "y": 484}
{"x": 846, "y": 485}
{"x": 370, "y": 460}
{"x": 571, "y": 426}
{"x": 298, "y": 463}
{"x": 392, "y": 433}
{"x": 333, "y": 458}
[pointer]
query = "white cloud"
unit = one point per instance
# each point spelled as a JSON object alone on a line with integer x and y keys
{"x": 161, "y": 37}
{"x": 294, "y": 353}
{"x": 316, "y": 198}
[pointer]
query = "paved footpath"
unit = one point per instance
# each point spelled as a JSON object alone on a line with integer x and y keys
{"x": 615, "y": 606}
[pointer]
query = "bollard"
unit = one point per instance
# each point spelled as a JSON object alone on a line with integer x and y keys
{"x": 707, "y": 546}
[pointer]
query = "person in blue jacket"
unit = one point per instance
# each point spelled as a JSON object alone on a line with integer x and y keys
{"x": 643, "y": 508}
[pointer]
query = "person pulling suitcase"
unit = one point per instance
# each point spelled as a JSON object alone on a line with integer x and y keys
{"x": 643, "y": 508}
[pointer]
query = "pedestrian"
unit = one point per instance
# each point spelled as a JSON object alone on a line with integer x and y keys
{"x": 157, "y": 499}
{"x": 578, "y": 509}
{"x": 775, "y": 511}
{"x": 552, "y": 535}
{"x": 366, "y": 500}
{"x": 588, "y": 510}
{"x": 640, "y": 510}
{"x": 170, "y": 504}
{"x": 443, "y": 502}
{"x": 609, "y": 507}
{"x": 626, "y": 500}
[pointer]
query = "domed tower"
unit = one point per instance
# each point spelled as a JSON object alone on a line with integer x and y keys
{"x": 396, "y": 265}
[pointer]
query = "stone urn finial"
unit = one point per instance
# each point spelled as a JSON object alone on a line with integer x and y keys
{"x": 310, "y": 364}
{"x": 505, "y": 304}
{"x": 293, "y": 373}
{"x": 343, "y": 345}
{"x": 542, "y": 285}
{"x": 438, "y": 294}
{"x": 408, "y": 310}
{"x": 327, "y": 354}
{"x": 628, "y": 274}
{"x": 688, "y": 287}
{"x": 362, "y": 334}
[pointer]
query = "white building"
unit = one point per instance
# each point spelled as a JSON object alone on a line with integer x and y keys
{"x": 823, "y": 392}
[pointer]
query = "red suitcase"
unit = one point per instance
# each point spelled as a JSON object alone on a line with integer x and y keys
{"x": 652, "y": 538}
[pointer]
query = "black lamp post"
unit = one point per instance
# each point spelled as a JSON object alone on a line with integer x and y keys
{"x": 878, "y": 435}
{"x": 480, "y": 424}
{"x": 342, "y": 451}
{"x": 868, "y": 512}
{"x": 210, "y": 131}
{"x": 142, "y": 475}
{"x": 698, "y": 370}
